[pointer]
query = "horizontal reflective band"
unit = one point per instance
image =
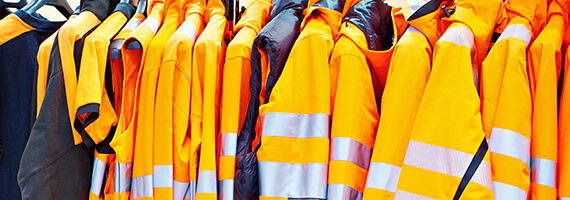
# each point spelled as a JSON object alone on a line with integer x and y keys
{"x": 343, "y": 192}
{"x": 543, "y": 171}
{"x": 133, "y": 24}
{"x": 141, "y": 187}
{"x": 459, "y": 35}
{"x": 413, "y": 29}
{"x": 416, "y": 4}
{"x": 293, "y": 180}
{"x": 123, "y": 175}
{"x": 506, "y": 191}
{"x": 152, "y": 23}
{"x": 189, "y": 29}
{"x": 191, "y": 192}
{"x": 229, "y": 144}
{"x": 179, "y": 189}
{"x": 563, "y": 198}
{"x": 162, "y": 176}
{"x": 510, "y": 143}
{"x": 226, "y": 189}
{"x": 516, "y": 31}
{"x": 403, "y": 195}
{"x": 383, "y": 176}
{"x": 295, "y": 125}
{"x": 207, "y": 182}
{"x": 348, "y": 149}
{"x": 97, "y": 176}
{"x": 446, "y": 161}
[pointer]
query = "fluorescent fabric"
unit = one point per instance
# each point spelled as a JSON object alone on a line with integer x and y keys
{"x": 439, "y": 152}
{"x": 506, "y": 110}
{"x": 236, "y": 92}
{"x": 398, "y": 112}
{"x": 564, "y": 134}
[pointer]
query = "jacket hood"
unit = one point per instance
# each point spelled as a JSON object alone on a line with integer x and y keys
{"x": 280, "y": 5}
{"x": 374, "y": 19}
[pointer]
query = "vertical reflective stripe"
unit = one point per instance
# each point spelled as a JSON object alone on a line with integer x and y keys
{"x": 133, "y": 24}
{"x": 510, "y": 143}
{"x": 516, "y": 31}
{"x": 446, "y": 161}
{"x": 162, "y": 176}
{"x": 543, "y": 171}
{"x": 98, "y": 175}
{"x": 383, "y": 176}
{"x": 506, "y": 191}
{"x": 295, "y": 125}
{"x": 348, "y": 149}
{"x": 343, "y": 192}
{"x": 141, "y": 187}
{"x": 179, "y": 189}
{"x": 207, "y": 182}
{"x": 293, "y": 180}
{"x": 459, "y": 35}
{"x": 403, "y": 195}
{"x": 226, "y": 189}
{"x": 123, "y": 175}
{"x": 189, "y": 29}
{"x": 191, "y": 192}
{"x": 229, "y": 144}
{"x": 152, "y": 23}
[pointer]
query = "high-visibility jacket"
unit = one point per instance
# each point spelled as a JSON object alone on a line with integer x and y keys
{"x": 564, "y": 134}
{"x": 506, "y": 109}
{"x": 236, "y": 91}
{"x": 545, "y": 63}
{"x": 207, "y": 63}
{"x": 409, "y": 71}
{"x": 358, "y": 68}
{"x": 123, "y": 142}
{"x": 173, "y": 102}
{"x": 459, "y": 147}
{"x": 20, "y": 37}
{"x": 54, "y": 151}
{"x": 96, "y": 117}
{"x": 269, "y": 52}
{"x": 116, "y": 58}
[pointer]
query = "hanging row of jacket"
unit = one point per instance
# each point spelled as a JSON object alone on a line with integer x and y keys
{"x": 301, "y": 99}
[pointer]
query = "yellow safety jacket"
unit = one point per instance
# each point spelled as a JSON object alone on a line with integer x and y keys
{"x": 236, "y": 91}
{"x": 564, "y": 134}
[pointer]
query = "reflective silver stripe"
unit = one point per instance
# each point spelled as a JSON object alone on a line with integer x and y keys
{"x": 189, "y": 29}
{"x": 415, "y": 5}
{"x": 141, "y": 187}
{"x": 510, "y": 143}
{"x": 191, "y": 192}
{"x": 133, "y": 24}
{"x": 459, "y": 35}
{"x": 278, "y": 179}
{"x": 343, "y": 192}
{"x": 446, "y": 161}
{"x": 207, "y": 181}
{"x": 543, "y": 171}
{"x": 295, "y": 125}
{"x": 403, "y": 195}
{"x": 348, "y": 149}
{"x": 152, "y": 23}
{"x": 506, "y": 191}
{"x": 516, "y": 31}
{"x": 162, "y": 176}
{"x": 226, "y": 189}
{"x": 383, "y": 176}
{"x": 98, "y": 175}
{"x": 229, "y": 144}
{"x": 563, "y": 198}
{"x": 123, "y": 175}
{"x": 179, "y": 189}
{"x": 413, "y": 29}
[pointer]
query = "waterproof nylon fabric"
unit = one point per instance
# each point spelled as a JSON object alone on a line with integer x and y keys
{"x": 564, "y": 132}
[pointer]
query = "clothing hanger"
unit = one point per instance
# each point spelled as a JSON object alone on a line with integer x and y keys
{"x": 61, "y": 5}
{"x": 141, "y": 7}
{"x": 4, "y": 4}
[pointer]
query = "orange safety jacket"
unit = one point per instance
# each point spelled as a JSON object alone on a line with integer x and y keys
{"x": 236, "y": 91}
{"x": 207, "y": 62}
{"x": 545, "y": 63}
{"x": 409, "y": 71}
{"x": 564, "y": 134}
{"x": 123, "y": 142}
{"x": 358, "y": 69}
{"x": 173, "y": 101}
